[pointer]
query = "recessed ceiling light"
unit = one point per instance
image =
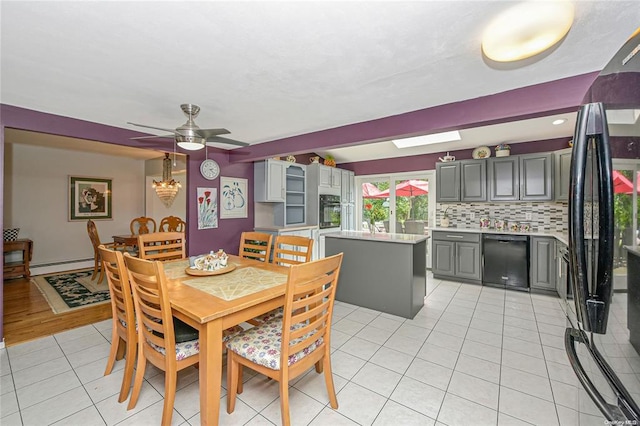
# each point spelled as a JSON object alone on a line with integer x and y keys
{"x": 527, "y": 29}
{"x": 559, "y": 121}
{"x": 428, "y": 139}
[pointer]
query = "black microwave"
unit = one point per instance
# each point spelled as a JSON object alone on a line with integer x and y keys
{"x": 329, "y": 211}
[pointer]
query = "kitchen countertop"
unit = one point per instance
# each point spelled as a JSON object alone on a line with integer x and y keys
{"x": 378, "y": 236}
{"x": 633, "y": 250}
{"x": 286, "y": 228}
{"x": 563, "y": 238}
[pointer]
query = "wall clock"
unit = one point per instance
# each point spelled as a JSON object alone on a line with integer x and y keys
{"x": 209, "y": 169}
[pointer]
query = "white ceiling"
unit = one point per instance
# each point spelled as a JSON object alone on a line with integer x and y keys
{"x": 268, "y": 70}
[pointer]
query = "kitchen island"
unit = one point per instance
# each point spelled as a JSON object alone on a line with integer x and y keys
{"x": 633, "y": 296}
{"x": 385, "y": 272}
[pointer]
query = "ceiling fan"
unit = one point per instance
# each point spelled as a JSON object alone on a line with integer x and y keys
{"x": 189, "y": 136}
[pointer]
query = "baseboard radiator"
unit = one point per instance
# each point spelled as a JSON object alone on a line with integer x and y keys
{"x": 55, "y": 267}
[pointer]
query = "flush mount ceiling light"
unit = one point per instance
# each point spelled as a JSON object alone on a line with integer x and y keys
{"x": 428, "y": 139}
{"x": 559, "y": 121}
{"x": 527, "y": 29}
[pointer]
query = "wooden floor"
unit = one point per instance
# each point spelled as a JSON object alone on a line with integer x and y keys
{"x": 27, "y": 315}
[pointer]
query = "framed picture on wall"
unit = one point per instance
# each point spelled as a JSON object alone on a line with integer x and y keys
{"x": 233, "y": 200}
{"x": 89, "y": 198}
{"x": 207, "y": 199}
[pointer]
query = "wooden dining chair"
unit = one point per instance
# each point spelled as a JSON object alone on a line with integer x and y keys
{"x": 172, "y": 224}
{"x": 161, "y": 246}
{"x": 256, "y": 245}
{"x": 123, "y": 330}
{"x": 142, "y": 225}
{"x": 287, "y": 250}
{"x": 92, "y": 230}
{"x": 167, "y": 343}
{"x": 292, "y": 250}
{"x": 285, "y": 348}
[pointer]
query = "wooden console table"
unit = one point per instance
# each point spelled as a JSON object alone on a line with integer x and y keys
{"x": 18, "y": 268}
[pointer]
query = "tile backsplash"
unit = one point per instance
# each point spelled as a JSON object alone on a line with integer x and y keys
{"x": 545, "y": 216}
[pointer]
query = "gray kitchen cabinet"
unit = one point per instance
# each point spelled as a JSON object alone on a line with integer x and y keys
{"x": 504, "y": 178}
{"x": 536, "y": 177}
{"x": 543, "y": 268}
{"x": 269, "y": 181}
{"x": 448, "y": 182}
{"x": 443, "y": 262}
{"x": 473, "y": 180}
{"x": 561, "y": 178}
{"x": 456, "y": 255}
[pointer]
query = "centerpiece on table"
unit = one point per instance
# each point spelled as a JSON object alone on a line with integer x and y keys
{"x": 213, "y": 263}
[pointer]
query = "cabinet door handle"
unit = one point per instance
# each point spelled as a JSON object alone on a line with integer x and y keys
{"x": 455, "y": 236}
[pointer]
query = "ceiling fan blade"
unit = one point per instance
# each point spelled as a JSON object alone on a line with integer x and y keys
{"x": 153, "y": 137}
{"x": 153, "y": 127}
{"x": 207, "y": 133}
{"x": 218, "y": 139}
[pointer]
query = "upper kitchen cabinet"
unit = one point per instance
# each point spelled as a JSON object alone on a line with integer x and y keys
{"x": 504, "y": 178}
{"x": 522, "y": 177}
{"x": 329, "y": 177}
{"x": 563, "y": 169}
{"x": 461, "y": 181}
{"x": 473, "y": 180}
{"x": 269, "y": 181}
{"x": 448, "y": 182}
{"x": 284, "y": 184}
{"x": 536, "y": 177}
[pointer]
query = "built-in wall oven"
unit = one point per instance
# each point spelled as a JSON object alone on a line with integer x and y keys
{"x": 329, "y": 214}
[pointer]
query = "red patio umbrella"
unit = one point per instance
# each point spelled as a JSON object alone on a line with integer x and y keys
{"x": 621, "y": 184}
{"x": 369, "y": 190}
{"x": 408, "y": 188}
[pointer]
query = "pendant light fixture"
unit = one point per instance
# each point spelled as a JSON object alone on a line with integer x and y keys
{"x": 167, "y": 188}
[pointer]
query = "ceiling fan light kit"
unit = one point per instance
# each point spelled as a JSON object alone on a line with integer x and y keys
{"x": 189, "y": 136}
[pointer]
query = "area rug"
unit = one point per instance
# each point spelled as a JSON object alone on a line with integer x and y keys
{"x": 72, "y": 290}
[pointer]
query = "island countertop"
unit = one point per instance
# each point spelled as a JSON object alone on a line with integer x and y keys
{"x": 378, "y": 236}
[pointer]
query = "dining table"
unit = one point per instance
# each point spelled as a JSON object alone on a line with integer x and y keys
{"x": 125, "y": 240}
{"x": 213, "y": 303}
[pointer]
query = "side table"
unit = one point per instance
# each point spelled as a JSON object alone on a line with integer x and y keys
{"x": 18, "y": 268}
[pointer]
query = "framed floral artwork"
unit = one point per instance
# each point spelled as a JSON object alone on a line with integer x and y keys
{"x": 207, "y": 208}
{"x": 233, "y": 199}
{"x": 89, "y": 198}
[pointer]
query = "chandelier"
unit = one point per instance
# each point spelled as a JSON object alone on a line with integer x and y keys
{"x": 167, "y": 189}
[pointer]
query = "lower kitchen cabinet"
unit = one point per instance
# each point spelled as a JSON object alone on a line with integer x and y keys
{"x": 456, "y": 255}
{"x": 302, "y": 231}
{"x": 543, "y": 263}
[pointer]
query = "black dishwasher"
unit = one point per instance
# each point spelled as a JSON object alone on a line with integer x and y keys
{"x": 506, "y": 261}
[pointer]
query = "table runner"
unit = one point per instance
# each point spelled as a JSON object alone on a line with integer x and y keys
{"x": 237, "y": 283}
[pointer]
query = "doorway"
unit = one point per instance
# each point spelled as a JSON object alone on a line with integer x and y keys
{"x": 625, "y": 217}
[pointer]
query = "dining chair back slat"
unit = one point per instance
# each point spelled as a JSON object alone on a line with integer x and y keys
{"x": 142, "y": 225}
{"x": 161, "y": 246}
{"x": 292, "y": 250}
{"x": 256, "y": 245}
{"x": 123, "y": 330}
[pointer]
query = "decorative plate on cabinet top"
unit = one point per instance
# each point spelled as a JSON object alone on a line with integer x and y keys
{"x": 481, "y": 152}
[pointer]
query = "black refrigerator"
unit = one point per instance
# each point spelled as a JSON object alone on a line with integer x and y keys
{"x": 597, "y": 336}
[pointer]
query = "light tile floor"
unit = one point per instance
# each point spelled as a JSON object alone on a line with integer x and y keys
{"x": 472, "y": 356}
